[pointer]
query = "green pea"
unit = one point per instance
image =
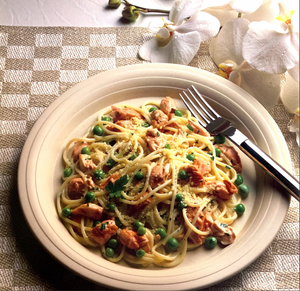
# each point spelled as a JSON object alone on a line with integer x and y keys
{"x": 89, "y": 197}
{"x": 98, "y": 130}
{"x": 182, "y": 175}
{"x": 181, "y": 205}
{"x": 178, "y": 113}
{"x": 190, "y": 127}
{"x": 243, "y": 190}
{"x": 67, "y": 172}
{"x": 218, "y": 152}
{"x": 110, "y": 206}
{"x": 210, "y": 242}
{"x": 179, "y": 197}
{"x": 152, "y": 109}
{"x": 140, "y": 253}
{"x": 133, "y": 157}
{"x": 172, "y": 243}
{"x": 139, "y": 176}
{"x": 190, "y": 157}
{"x": 167, "y": 146}
{"x": 161, "y": 232}
{"x": 210, "y": 153}
{"x": 239, "y": 180}
{"x": 85, "y": 151}
{"x": 110, "y": 163}
{"x": 106, "y": 118}
{"x": 113, "y": 243}
{"x": 99, "y": 174}
{"x": 219, "y": 139}
{"x": 96, "y": 222}
{"x": 66, "y": 212}
{"x": 137, "y": 224}
{"x": 109, "y": 252}
{"x": 141, "y": 230}
{"x": 239, "y": 209}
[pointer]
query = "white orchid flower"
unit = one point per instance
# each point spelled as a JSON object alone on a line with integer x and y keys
{"x": 245, "y": 6}
{"x": 227, "y": 52}
{"x": 272, "y": 47}
{"x": 179, "y": 39}
{"x": 290, "y": 99}
{"x": 256, "y": 10}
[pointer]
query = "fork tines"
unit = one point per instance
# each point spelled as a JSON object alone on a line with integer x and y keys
{"x": 199, "y": 107}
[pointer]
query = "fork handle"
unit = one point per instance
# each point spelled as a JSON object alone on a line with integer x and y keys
{"x": 271, "y": 167}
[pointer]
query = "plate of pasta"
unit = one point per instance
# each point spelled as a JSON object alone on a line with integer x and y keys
{"x": 136, "y": 194}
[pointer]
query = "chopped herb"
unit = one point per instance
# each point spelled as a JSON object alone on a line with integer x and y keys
{"x": 223, "y": 225}
{"x": 196, "y": 141}
{"x": 211, "y": 202}
{"x": 110, "y": 163}
{"x": 227, "y": 167}
{"x": 212, "y": 158}
{"x": 206, "y": 149}
{"x": 103, "y": 226}
{"x": 226, "y": 233}
{"x": 190, "y": 127}
{"x": 145, "y": 124}
{"x": 152, "y": 109}
{"x": 167, "y": 146}
{"x": 133, "y": 157}
{"x": 158, "y": 134}
{"x": 132, "y": 133}
{"x": 117, "y": 188}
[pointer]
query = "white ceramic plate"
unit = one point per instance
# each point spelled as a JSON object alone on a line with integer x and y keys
{"x": 71, "y": 114}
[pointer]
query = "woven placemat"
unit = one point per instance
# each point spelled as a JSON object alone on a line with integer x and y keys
{"x": 38, "y": 64}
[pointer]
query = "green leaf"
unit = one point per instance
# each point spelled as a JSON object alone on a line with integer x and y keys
{"x": 110, "y": 187}
{"x": 117, "y": 188}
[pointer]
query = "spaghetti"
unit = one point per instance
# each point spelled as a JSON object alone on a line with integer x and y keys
{"x": 146, "y": 184}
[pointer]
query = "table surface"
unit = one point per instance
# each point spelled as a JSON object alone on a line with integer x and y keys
{"x": 79, "y": 13}
{"x": 42, "y": 55}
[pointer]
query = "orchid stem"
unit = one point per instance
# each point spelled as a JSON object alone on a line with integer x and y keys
{"x": 146, "y": 10}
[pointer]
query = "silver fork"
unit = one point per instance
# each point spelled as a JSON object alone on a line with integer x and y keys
{"x": 216, "y": 124}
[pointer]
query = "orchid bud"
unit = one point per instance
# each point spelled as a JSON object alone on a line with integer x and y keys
{"x": 131, "y": 13}
{"x": 114, "y": 3}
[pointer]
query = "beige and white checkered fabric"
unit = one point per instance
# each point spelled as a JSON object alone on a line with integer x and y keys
{"x": 36, "y": 66}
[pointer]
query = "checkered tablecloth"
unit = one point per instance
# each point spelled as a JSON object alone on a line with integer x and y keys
{"x": 38, "y": 64}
